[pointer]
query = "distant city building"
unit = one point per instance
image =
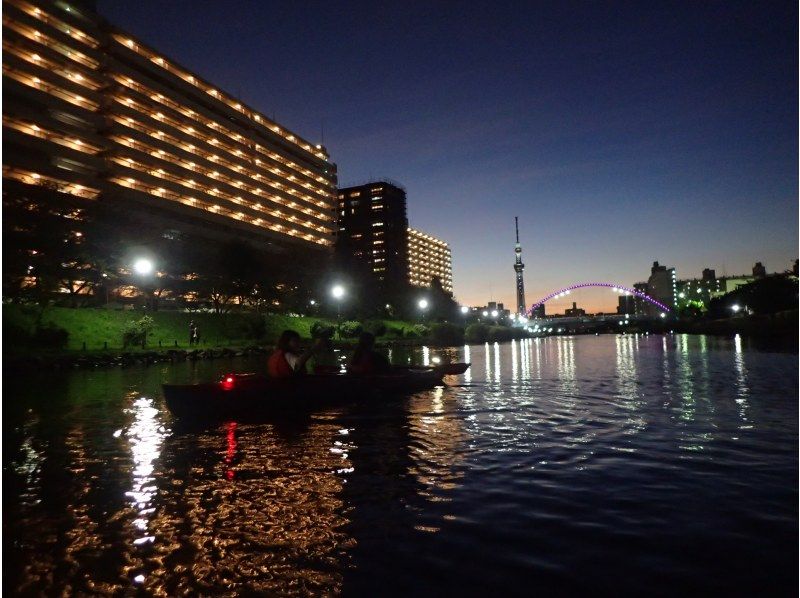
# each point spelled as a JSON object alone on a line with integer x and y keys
{"x": 428, "y": 259}
{"x": 574, "y": 311}
{"x": 709, "y": 274}
{"x": 641, "y": 307}
{"x": 795, "y": 267}
{"x": 491, "y": 308}
{"x": 662, "y": 286}
{"x": 538, "y": 311}
{"x": 759, "y": 271}
{"x": 373, "y": 231}
{"x": 626, "y": 305}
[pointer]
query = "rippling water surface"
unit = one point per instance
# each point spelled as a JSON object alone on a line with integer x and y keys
{"x": 610, "y": 464}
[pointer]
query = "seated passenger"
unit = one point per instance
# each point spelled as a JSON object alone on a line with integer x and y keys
{"x": 325, "y": 359}
{"x": 366, "y": 360}
{"x": 287, "y": 361}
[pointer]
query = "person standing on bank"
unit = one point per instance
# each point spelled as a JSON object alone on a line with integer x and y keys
{"x": 192, "y": 332}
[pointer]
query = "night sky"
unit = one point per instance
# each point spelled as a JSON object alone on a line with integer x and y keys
{"x": 619, "y": 133}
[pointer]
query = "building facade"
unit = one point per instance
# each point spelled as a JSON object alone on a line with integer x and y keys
{"x": 574, "y": 311}
{"x": 428, "y": 259}
{"x": 662, "y": 286}
{"x": 92, "y": 114}
{"x": 372, "y": 233}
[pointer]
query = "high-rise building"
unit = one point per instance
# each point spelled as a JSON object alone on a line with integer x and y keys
{"x": 518, "y": 268}
{"x": 373, "y": 231}
{"x": 759, "y": 271}
{"x": 428, "y": 259}
{"x": 92, "y": 114}
{"x": 662, "y": 286}
{"x": 626, "y": 305}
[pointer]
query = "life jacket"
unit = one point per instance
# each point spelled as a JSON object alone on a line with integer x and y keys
{"x": 278, "y": 366}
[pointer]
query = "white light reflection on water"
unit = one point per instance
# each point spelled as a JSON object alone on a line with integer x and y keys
{"x": 566, "y": 365}
{"x": 497, "y": 362}
{"x": 145, "y": 436}
{"x": 426, "y": 356}
{"x": 627, "y": 381}
{"x": 742, "y": 388}
{"x": 467, "y": 359}
{"x": 514, "y": 364}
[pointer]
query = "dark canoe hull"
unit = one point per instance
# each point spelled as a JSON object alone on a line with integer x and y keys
{"x": 257, "y": 396}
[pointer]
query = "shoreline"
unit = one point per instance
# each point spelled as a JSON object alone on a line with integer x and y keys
{"x": 108, "y": 358}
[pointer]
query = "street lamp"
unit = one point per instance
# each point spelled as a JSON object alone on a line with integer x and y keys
{"x": 338, "y": 292}
{"x": 735, "y": 307}
{"x": 423, "y": 305}
{"x": 143, "y": 266}
{"x": 464, "y": 309}
{"x": 494, "y": 313}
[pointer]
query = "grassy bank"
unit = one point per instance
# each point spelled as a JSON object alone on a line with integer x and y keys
{"x": 96, "y": 329}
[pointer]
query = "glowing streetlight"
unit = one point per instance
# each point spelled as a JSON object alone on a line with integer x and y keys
{"x": 735, "y": 307}
{"x": 485, "y": 313}
{"x": 494, "y": 313}
{"x": 663, "y": 315}
{"x": 312, "y": 302}
{"x": 143, "y": 266}
{"x": 464, "y": 309}
{"x": 338, "y": 292}
{"x": 423, "y": 304}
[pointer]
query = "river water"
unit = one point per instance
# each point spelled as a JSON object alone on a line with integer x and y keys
{"x": 571, "y": 465}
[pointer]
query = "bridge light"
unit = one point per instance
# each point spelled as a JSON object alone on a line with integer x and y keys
{"x": 663, "y": 315}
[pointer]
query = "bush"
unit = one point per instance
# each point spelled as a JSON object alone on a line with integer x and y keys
{"x": 254, "y": 327}
{"x": 50, "y": 336}
{"x": 135, "y": 331}
{"x": 16, "y": 334}
{"x": 322, "y": 330}
{"x": 350, "y": 329}
{"x": 375, "y": 327}
{"x": 447, "y": 334}
{"x": 394, "y": 331}
{"x": 418, "y": 331}
{"x": 477, "y": 333}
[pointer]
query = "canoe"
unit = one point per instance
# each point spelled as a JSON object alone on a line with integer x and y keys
{"x": 243, "y": 395}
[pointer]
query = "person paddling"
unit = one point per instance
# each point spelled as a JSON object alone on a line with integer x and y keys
{"x": 366, "y": 360}
{"x": 287, "y": 360}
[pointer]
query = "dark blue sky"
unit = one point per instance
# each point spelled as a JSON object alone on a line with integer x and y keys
{"x": 619, "y": 133}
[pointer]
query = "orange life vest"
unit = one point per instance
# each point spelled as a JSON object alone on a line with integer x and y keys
{"x": 278, "y": 366}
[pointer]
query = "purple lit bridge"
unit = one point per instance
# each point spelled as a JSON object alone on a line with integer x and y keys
{"x": 615, "y": 287}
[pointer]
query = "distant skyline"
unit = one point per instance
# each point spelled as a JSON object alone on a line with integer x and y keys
{"x": 619, "y": 133}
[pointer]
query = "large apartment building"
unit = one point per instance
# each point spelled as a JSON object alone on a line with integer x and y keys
{"x": 429, "y": 258}
{"x": 94, "y": 114}
{"x": 372, "y": 230}
{"x": 374, "y": 233}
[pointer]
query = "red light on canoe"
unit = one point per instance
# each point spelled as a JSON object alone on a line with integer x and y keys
{"x": 228, "y": 382}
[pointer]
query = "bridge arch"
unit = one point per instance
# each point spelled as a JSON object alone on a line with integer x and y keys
{"x": 610, "y": 285}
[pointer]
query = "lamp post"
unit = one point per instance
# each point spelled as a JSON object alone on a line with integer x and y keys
{"x": 338, "y": 293}
{"x": 144, "y": 268}
{"x": 423, "y": 305}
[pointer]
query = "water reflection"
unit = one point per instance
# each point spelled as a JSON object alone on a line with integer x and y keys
{"x": 742, "y": 389}
{"x": 522, "y": 472}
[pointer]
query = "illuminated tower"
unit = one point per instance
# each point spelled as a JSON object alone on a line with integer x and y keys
{"x": 518, "y": 268}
